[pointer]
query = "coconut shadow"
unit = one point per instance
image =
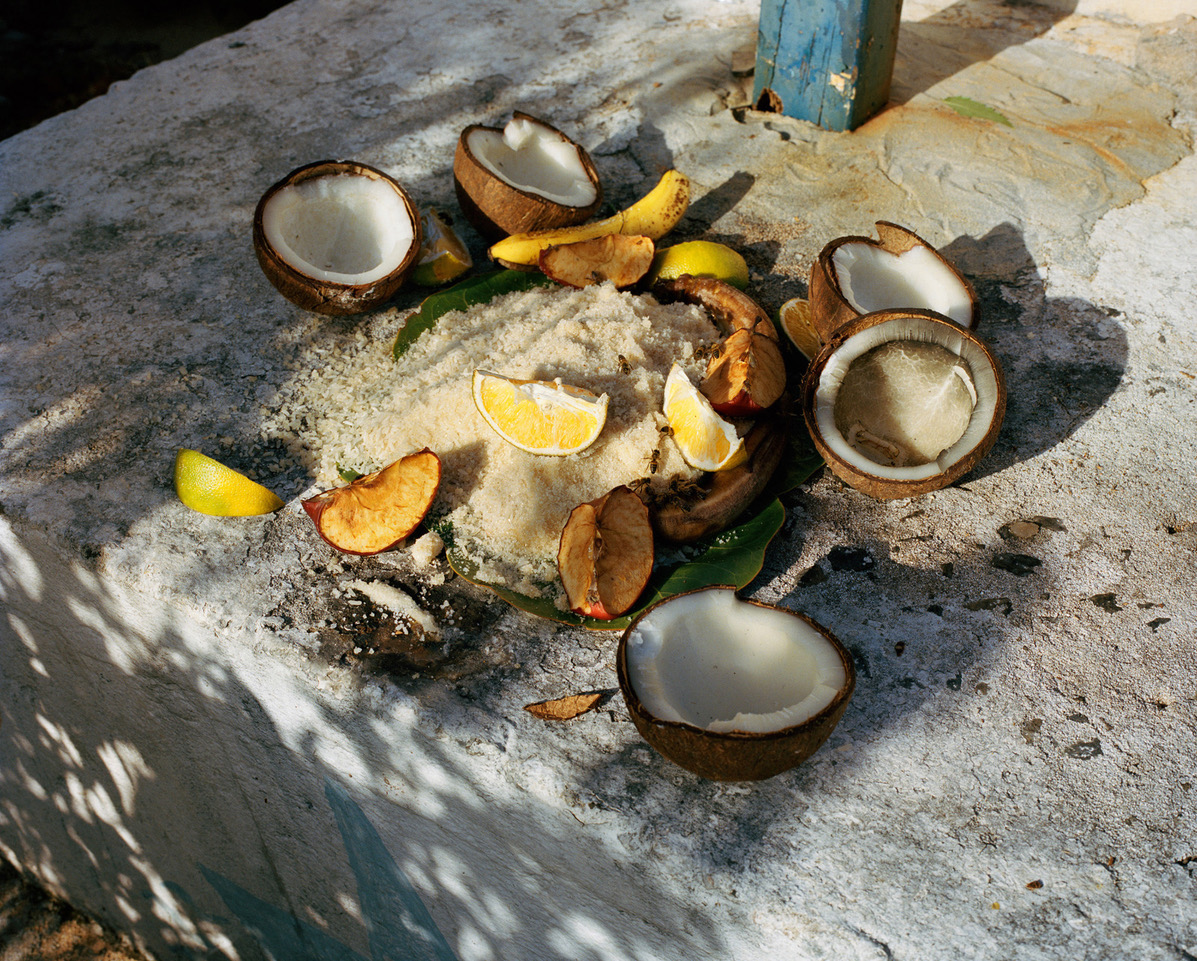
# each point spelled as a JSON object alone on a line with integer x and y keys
{"x": 1062, "y": 357}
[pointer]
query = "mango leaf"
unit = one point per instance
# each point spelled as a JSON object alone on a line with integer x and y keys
{"x": 970, "y": 108}
{"x": 732, "y": 557}
{"x": 476, "y": 290}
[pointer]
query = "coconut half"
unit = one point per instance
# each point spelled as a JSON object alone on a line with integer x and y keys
{"x": 902, "y": 402}
{"x": 854, "y": 276}
{"x": 337, "y": 237}
{"x": 731, "y": 689}
{"x": 525, "y": 176}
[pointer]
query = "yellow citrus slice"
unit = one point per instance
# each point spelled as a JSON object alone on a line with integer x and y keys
{"x": 540, "y": 416}
{"x": 794, "y": 319}
{"x": 207, "y": 486}
{"x": 706, "y": 440}
{"x": 443, "y": 257}
{"x": 700, "y": 258}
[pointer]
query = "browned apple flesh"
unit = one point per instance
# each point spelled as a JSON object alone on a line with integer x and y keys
{"x": 746, "y": 375}
{"x": 620, "y": 258}
{"x": 606, "y": 554}
{"x": 377, "y": 511}
{"x": 730, "y": 308}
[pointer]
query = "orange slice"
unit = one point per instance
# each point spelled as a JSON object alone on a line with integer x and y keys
{"x": 540, "y": 416}
{"x": 794, "y": 319}
{"x": 706, "y": 440}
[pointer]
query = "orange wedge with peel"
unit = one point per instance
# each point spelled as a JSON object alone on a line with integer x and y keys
{"x": 706, "y": 440}
{"x": 794, "y": 319}
{"x": 540, "y": 416}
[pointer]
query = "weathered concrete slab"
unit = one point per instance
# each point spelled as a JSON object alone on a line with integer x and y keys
{"x": 193, "y": 744}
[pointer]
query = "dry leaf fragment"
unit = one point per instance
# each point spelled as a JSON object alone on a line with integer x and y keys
{"x": 564, "y": 708}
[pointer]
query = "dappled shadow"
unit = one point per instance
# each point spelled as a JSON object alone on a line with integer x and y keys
{"x": 964, "y": 33}
{"x": 164, "y": 732}
{"x": 137, "y": 730}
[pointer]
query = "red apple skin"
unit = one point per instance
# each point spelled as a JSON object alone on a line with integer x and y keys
{"x": 314, "y": 506}
{"x": 598, "y": 612}
{"x": 742, "y": 405}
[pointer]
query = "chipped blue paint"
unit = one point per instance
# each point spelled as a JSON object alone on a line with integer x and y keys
{"x": 397, "y": 922}
{"x": 826, "y": 61}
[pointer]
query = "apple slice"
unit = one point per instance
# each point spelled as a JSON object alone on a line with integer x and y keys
{"x": 747, "y": 372}
{"x": 606, "y": 554}
{"x": 378, "y": 510}
{"x": 620, "y": 258}
{"x": 746, "y": 375}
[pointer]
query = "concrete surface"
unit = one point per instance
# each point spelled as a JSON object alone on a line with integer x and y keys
{"x": 197, "y": 746}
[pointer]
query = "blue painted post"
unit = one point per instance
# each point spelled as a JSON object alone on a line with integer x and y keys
{"x": 826, "y": 61}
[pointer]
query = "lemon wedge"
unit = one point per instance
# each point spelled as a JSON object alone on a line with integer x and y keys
{"x": 443, "y": 257}
{"x": 540, "y": 416}
{"x": 706, "y": 440}
{"x": 794, "y": 319}
{"x": 207, "y": 486}
{"x": 700, "y": 258}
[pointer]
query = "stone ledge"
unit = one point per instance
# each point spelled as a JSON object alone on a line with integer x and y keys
{"x": 193, "y": 749}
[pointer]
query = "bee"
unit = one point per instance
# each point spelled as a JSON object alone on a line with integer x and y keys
{"x": 624, "y": 366}
{"x": 684, "y": 488}
{"x": 667, "y": 431}
{"x": 654, "y": 460}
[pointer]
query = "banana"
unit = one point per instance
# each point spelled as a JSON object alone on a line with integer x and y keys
{"x": 659, "y": 210}
{"x": 653, "y": 215}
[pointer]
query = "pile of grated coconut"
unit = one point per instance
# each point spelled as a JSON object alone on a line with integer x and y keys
{"x": 507, "y": 507}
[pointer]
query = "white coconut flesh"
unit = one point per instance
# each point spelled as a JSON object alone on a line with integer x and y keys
{"x": 534, "y": 159}
{"x": 340, "y": 229}
{"x": 905, "y": 399}
{"x": 871, "y": 278}
{"x": 713, "y": 661}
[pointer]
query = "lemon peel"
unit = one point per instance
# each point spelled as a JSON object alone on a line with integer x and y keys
{"x": 700, "y": 258}
{"x": 209, "y": 487}
{"x": 539, "y": 416}
{"x": 443, "y": 257}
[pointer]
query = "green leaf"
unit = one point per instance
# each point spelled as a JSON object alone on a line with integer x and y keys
{"x": 348, "y": 474}
{"x": 801, "y": 461}
{"x": 475, "y": 290}
{"x": 732, "y": 557}
{"x": 970, "y": 108}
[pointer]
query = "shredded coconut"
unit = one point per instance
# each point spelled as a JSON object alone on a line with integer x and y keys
{"x": 506, "y": 507}
{"x": 396, "y": 601}
{"x": 426, "y": 548}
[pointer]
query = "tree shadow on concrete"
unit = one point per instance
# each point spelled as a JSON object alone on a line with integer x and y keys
{"x": 212, "y": 802}
{"x": 965, "y": 33}
{"x": 1062, "y": 357}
